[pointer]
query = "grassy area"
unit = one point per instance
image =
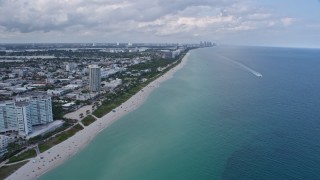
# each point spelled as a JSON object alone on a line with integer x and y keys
{"x": 106, "y": 108}
{"x": 25, "y": 155}
{"x": 6, "y": 171}
{"x": 59, "y": 138}
{"x": 13, "y": 149}
{"x": 88, "y": 120}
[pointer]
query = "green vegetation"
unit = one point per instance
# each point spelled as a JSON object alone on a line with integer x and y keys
{"x": 114, "y": 102}
{"x": 153, "y": 65}
{"x": 46, "y": 87}
{"x": 13, "y": 149}
{"x": 57, "y": 111}
{"x": 6, "y": 171}
{"x": 59, "y": 138}
{"x": 25, "y": 155}
{"x": 88, "y": 120}
{"x": 106, "y": 107}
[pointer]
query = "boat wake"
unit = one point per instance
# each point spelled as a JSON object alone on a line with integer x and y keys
{"x": 244, "y": 67}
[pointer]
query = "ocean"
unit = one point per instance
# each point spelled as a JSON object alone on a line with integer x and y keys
{"x": 229, "y": 113}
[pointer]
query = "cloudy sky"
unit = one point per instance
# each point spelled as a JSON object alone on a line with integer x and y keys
{"x": 247, "y": 22}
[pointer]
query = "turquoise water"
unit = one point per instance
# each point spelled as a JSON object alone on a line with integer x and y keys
{"x": 217, "y": 119}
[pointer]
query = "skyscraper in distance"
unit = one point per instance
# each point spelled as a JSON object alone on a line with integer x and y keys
{"x": 94, "y": 78}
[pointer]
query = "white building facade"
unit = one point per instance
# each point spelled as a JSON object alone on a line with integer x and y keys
{"x": 94, "y": 78}
{"x": 41, "y": 110}
{"x": 70, "y": 66}
{"x": 8, "y": 117}
{"x": 24, "y": 118}
{"x": 20, "y": 115}
{"x": 4, "y": 141}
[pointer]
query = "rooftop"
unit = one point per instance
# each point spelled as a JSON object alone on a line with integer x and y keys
{"x": 93, "y": 66}
{"x": 22, "y": 103}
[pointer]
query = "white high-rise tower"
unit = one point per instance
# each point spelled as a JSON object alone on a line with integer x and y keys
{"x": 8, "y": 117}
{"x": 94, "y": 78}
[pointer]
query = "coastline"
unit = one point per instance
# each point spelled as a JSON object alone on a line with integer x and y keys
{"x": 60, "y": 153}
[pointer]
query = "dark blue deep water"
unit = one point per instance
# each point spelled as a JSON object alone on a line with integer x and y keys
{"x": 217, "y": 118}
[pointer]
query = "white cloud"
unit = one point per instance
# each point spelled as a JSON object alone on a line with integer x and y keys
{"x": 116, "y": 18}
{"x": 259, "y": 16}
{"x": 287, "y": 21}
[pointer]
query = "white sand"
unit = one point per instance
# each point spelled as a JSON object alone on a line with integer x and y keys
{"x": 63, "y": 151}
{"x": 76, "y": 114}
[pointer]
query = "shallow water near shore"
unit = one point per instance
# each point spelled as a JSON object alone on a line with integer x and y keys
{"x": 216, "y": 119}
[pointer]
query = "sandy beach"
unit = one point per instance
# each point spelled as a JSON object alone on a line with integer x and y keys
{"x": 58, "y": 154}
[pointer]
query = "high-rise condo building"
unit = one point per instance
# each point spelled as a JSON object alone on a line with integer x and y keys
{"x": 94, "y": 78}
{"x": 23, "y": 117}
{"x": 8, "y": 117}
{"x": 4, "y": 140}
{"x": 24, "y": 112}
{"x": 41, "y": 110}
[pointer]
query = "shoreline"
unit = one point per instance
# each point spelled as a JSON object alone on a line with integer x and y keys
{"x": 60, "y": 153}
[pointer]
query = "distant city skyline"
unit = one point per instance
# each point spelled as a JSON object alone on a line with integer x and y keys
{"x": 292, "y": 23}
